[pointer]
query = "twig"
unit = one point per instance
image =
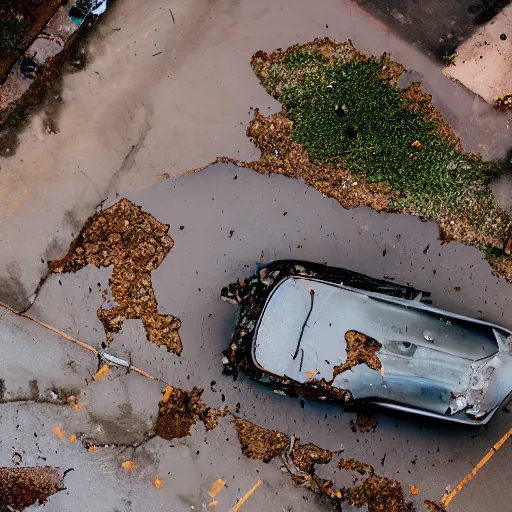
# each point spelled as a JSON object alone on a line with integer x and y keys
{"x": 172, "y": 16}
{"x": 312, "y": 295}
{"x": 155, "y": 54}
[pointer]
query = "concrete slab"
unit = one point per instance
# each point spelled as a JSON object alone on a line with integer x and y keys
{"x": 484, "y": 61}
{"x": 148, "y": 114}
{"x": 205, "y": 258}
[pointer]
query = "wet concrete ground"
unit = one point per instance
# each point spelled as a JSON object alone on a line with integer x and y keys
{"x": 130, "y": 116}
{"x": 229, "y": 216}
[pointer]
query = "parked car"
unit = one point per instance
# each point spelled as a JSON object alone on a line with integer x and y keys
{"x": 309, "y": 329}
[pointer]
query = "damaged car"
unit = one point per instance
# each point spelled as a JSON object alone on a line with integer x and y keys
{"x": 311, "y": 330}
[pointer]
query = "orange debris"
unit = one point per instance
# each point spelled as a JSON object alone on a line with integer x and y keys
{"x": 241, "y": 501}
{"x": 213, "y": 504}
{"x": 92, "y": 449}
{"x": 59, "y": 432}
{"x": 414, "y": 490}
{"x": 158, "y": 483}
{"x": 72, "y": 438}
{"x": 217, "y": 486}
{"x": 101, "y": 372}
{"x": 128, "y": 465}
{"x": 167, "y": 394}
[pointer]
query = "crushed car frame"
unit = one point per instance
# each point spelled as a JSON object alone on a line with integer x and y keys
{"x": 312, "y": 330}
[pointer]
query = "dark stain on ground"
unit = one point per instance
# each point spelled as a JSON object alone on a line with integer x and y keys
{"x": 380, "y": 494}
{"x": 22, "y": 487}
{"x": 259, "y": 443}
{"x": 179, "y": 410}
{"x": 135, "y": 244}
{"x": 454, "y": 21}
{"x": 366, "y": 419}
{"x": 12, "y": 289}
{"x": 361, "y": 349}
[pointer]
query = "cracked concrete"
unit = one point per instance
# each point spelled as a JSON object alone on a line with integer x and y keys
{"x": 212, "y": 204}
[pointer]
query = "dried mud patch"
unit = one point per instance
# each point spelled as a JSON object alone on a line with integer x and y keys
{"x": 135, "y": 244}
{"x": 361, "y": 349}
{"x": 22, "y": 487}
{"x": 380, "y": 494}
{"x": 180, "y": 410}
{"x": 259, "y": 443}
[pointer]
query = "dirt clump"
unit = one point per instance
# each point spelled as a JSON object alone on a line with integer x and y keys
{"x": 366, "y": 420}
{"x": 22, "y": 487}
{"x": 306, "y": 456}
{"x": 135, "y": 244}
{"x": 180, "y": 410}
{"x": 380, "y": 494}
{"x": 361, "y": 349}
{"x": 259, "y": 443}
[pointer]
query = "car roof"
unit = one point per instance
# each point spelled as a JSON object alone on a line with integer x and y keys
{"x": 445, "y": 346}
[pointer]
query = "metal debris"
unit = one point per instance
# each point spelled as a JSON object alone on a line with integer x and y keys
{"x": 135, "y": 244}
{"x": 182, "y": 410}
{"x": 22, "y": 487}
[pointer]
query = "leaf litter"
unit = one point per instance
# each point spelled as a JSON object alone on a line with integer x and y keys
{"x": 135, "y": 244}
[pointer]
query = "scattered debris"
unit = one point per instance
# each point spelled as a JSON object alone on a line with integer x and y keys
{"x": 72, "y": 438}
{"x": 306, "y": 456}
{"x": 102, "y": 372}
{"x": 414, "y": 490}
{"x": 182, "y": 410}
{"x": 59, "y": 432}
{"x": 158, "y": 483}
{"x": 378, "y": 493}
{"x": 241, "y": 501}
{"x": 217, "y": 486}
{"x": 361, "y": 349}
{"x": 503, "y": 103}
{"x": 135, "y": 244}
{"x": 22, "y": 487}
{"x": 128, "y": 465}
{"x": 259, "y": 443}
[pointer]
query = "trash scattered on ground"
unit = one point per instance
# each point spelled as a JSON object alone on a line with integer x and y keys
{"x": 22, "y": 487}
{"x": 72, "y": 438}
{"x": 259, "y": 443}
{"x": 242, "y": 500}
{"x": 135, "y": 244}
{"x": 414, "y": 490}
{"x": 181, "y": 411}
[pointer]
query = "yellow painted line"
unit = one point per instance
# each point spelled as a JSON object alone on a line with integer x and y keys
{"x": 447, "y": 498}
{"x": 241, "y": 501}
